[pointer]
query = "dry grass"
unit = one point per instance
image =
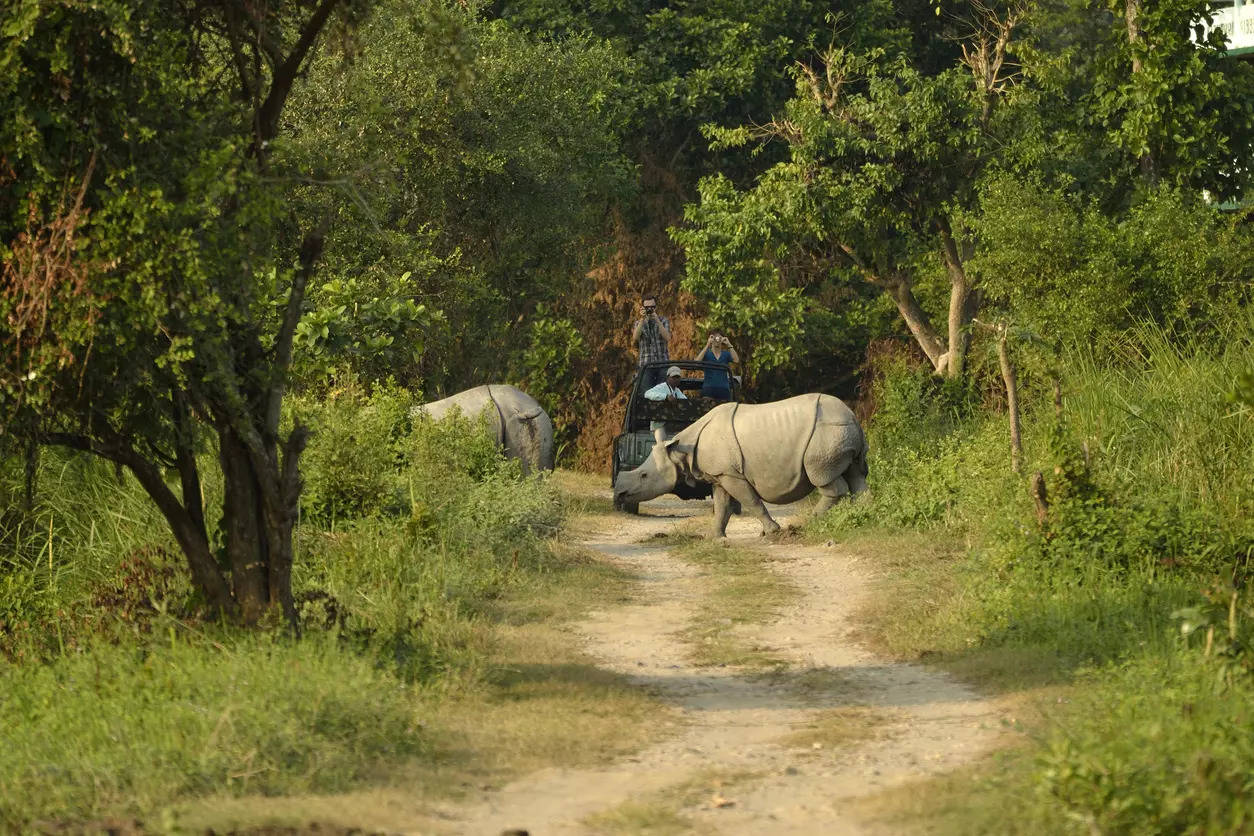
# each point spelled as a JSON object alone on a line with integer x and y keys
{"x": 987, "y": 796}
{"x": 742, "y": 591}
{"x": 842, "y": 728}
{"x": 584, "y": 493}
{"x": 663, "y": 813}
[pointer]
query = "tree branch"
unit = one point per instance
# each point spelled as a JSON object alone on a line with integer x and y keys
{"x": 267, "y": 125}
{"x": 189, "y": 473}
{"x": 310, "y": 251}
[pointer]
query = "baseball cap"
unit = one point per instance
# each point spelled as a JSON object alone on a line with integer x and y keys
{"x": 674, "y": 371}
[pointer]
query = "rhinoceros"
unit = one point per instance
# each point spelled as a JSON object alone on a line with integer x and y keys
{"x": 522, "y": 427}
{"x": 777, "y": 452}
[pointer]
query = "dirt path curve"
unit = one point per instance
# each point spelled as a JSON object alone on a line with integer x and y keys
{"x": 740, "y": 743}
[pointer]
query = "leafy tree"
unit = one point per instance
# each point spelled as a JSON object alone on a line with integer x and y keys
{"x": 476, "y": 186}
{"x": 1129, "y": 96}
{"x": 1168, "y": 97}
{"x": 691, "y": 64}
{"x": 891, "y": 150}
{"x": 1075, "y": 275}
{"x": 154, "y": 279}
{"x": 884, "y": 163}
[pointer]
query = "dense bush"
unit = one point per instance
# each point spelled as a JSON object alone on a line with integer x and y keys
{"x": 1171, "y": 758}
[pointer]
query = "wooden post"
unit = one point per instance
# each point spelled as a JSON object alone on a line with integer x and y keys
{"x": 1012, "y": 400}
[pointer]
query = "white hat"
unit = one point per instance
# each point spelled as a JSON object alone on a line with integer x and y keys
{"x": 674, "y": 371}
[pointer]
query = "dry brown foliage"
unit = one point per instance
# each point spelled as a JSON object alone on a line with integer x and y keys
{"x": 44, "y": 269}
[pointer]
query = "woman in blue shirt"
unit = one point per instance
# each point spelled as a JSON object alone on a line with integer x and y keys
{"x": 717, "y": 383}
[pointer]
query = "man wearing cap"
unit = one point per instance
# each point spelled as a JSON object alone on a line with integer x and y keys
{"x": 667, "y": 390}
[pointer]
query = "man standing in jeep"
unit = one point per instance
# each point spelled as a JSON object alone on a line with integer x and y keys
{"x": 652, "y": 335}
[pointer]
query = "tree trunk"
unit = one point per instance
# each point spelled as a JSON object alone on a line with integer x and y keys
{"x": 916, "y": 320}
{"x": 32, "y": 474}
{"x": 206, "y": 574}
{"x": 281, "y": 516}
{"x": 1040, "y": 499}
{"x": 259, "y": 516}
{"x": 244, "y": 526}
{"x": 963, "y": 302}
{"x": 1132, "y": 15}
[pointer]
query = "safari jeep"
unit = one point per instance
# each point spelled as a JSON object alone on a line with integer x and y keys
{"x": 633, "y": 445}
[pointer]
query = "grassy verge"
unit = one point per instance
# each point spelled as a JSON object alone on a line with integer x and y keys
{"x": 538, "y": 703}
{"x": 434, "y": 659}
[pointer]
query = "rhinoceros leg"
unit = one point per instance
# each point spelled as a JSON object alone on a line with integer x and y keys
{"x": 831, "y": 472}
{"x": 750, "y": 502}
{"x": 722, "y": 511}
{"x": 830, "y": 493}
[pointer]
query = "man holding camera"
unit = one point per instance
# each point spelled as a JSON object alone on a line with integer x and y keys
{"x": 652, "y": 336}
{"x": 717, "y": 383}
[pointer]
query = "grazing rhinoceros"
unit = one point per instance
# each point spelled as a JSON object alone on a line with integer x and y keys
{"x": 522, "y": 427}
{"x": 777, "y": 452}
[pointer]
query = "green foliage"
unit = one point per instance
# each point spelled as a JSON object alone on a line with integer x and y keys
{"x": 1183, "y": 113}
{"x": 1156, "y": 747}
{"x": 553, "y": 369}
{"x": 883, "y": 155}
{"x": 374, "y": 455}
{"x": 693, "y": 63}
{"x": 121, "y": 700}
{"x": 365, "y": 329}
{"x": 352, "y": 465}
{"x": 1149, "y": 501}
{"x": 473, "y": 186}
{"x": 1070, "y": 273}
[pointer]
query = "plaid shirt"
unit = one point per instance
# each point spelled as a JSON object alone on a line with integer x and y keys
{"x": 651, "y": 346}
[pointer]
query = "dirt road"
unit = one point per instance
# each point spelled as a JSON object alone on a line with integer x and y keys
{"x": 739, "y": 759}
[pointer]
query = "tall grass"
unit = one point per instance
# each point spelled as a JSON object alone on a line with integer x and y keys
{"x": 1161, "y": 415}
{"x": 129, "y": 728}
{"x": 1148, "y": 471}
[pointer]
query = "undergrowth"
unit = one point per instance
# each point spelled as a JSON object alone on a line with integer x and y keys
{"x": 1145, "y": 545}
{"x": 118, "y": 698}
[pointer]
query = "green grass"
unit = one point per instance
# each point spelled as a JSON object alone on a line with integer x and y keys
{"x": 433, "y": 658}
{"x": 116, "y": 729}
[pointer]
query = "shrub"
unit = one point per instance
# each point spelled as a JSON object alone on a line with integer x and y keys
{"x": 350, "y": 467}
